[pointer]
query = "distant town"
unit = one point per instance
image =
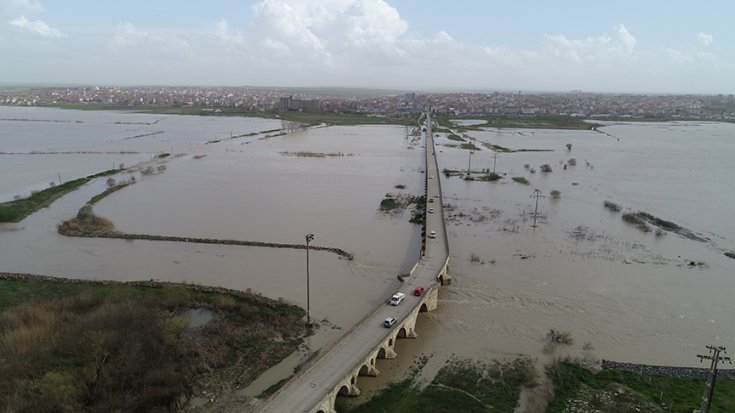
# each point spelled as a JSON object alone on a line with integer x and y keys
{"x": 374, "y": 103}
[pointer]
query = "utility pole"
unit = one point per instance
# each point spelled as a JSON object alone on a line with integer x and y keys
{"x": 536, "y": 194}
{"x": 495, "y": 159}
{"x": 714, "y": 355}
{"x": 469, "y": 163}
{"x": 309, "y": 238}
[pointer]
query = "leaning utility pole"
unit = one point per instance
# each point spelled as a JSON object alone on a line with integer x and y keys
{"x": 469, "y": 162}
{"x": 714, "y": 355}
{"x": 536, "y": 194}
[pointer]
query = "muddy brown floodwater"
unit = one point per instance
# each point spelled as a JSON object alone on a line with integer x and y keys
{"x": 632, "y": 295}
{"x": 250, "y": 188}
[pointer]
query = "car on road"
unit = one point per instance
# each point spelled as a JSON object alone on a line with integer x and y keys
{"x": 418, "y": 292}
{"x": 431, "y": 210}
{"x": 432, "y": 234}
{"x": 388, "y": 323}
{"x": 397, "y": 298}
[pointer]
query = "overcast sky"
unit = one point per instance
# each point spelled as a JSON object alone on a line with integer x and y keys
{"x": 614, "y": 46}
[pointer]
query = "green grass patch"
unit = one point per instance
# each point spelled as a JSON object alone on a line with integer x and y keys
{"x": 540, "y": 122}
{"x": 496, "y": 148}
{"x": 303, "y": 117}
{"x": 520, "y": 180}
{"x": 345, "y": 119}
{"x": 399, "y": 397}
{"x": 671, "y": 394}
{"x": 469, "y": 146}
{"x": 535, "y": 122}
{"x": 81, "y": 346}
{"x": 491, "y": 177}
{"x": 19, "y": 209}
{"x": 107, "y": 191}
{"x": 388, "y": 204}
{"x": 460, "y": 386}
{"x": 453, "y": 137}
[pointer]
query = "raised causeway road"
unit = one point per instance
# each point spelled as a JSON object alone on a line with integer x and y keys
{"x": 315, "y": 388}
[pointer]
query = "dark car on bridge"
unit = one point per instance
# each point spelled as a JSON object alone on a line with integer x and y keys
{"x": 418, "y": 292}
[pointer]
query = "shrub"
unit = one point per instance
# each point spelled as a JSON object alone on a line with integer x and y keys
{"x": 555, "y": 194}
{"x": 559, "y": 337}
{"x": 635, "y": 219}
{"x": 545, "y": 168}
{"x": 572, "y": 162}
{"x": 520, "y": 180}
{"x": 492, "y": 176}
{"x": 612, "y": 206}
{"x": 470, "y": 146}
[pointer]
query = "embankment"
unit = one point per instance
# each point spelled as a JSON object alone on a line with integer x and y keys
{"x": 681, "y": 372}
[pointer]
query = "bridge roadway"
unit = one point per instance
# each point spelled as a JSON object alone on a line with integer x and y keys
{"x": 315, "y": 389}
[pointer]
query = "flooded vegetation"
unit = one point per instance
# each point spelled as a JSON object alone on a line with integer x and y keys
{"x": 633, "y": 296}
{"x": 75, "y": 346}
{"x": 18, "y": 209}
{"x": 460, "y": 385}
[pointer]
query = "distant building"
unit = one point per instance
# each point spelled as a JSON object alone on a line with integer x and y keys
{"x": 298, "y": 105}
{"x": 285, "y": 103}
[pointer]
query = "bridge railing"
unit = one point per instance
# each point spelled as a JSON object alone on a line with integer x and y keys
{"x": 358, "y": 363}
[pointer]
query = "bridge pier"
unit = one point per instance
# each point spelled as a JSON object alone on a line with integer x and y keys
{"x": 308, "y": 396}
{"x": 444, "y": 277}
{"x": 350, "y": 390}
{"x": 387, "y": 353}
{"x": 370, "y": 371}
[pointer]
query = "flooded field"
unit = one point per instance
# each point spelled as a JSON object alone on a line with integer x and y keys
{"x": 652, "y": 297}
{"x": 249, "y": 188}
{"x": 634, "y": 296}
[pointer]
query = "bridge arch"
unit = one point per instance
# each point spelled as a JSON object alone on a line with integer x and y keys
{"x": 401, "y": 333}
{"x": 364, "y": 370}
{"x": 343, "y": 391}
{"x": 424, "y": 308}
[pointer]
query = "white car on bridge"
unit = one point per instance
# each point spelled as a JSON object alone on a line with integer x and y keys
{"x": 397, "y": 298}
